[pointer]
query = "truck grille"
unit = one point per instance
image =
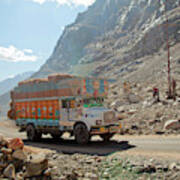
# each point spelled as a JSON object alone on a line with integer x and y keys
{"x": 109, "y": 117}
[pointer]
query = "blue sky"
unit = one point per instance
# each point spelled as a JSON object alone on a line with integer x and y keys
{"x": 30, "y": 29}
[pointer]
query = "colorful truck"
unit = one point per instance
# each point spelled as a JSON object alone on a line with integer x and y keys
{"x": 63, "y": 103}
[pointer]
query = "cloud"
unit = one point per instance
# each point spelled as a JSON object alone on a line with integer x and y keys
{"x": 11, "y": 76}
{"x": 13, "y": 54}
{"x": 39, "y": 1}
{"x": 62, "y": 28}
{"x": 68, "y": 2}
{"x": 28, "y": 51}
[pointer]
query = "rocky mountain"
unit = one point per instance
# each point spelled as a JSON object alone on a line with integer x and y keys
{"x": 9, "y": 83}
{"x": 113, "y": 33}
{"x": 126, "y": 40}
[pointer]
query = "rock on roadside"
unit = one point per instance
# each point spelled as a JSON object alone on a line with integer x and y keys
{"x": 36, "y": 165}
{"x": 16, "y": 163}
{"x": 172, "y": 124}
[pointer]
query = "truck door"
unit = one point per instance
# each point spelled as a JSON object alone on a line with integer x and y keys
{"x": 68, "y": 110}
{"x": 72, "y": 110}
{"x": 65, "y": 110}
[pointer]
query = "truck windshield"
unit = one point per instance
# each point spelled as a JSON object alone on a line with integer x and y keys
{"x": 95, "y": 102}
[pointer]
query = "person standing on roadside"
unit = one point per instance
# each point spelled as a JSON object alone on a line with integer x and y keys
{"x": 156, "y": 94}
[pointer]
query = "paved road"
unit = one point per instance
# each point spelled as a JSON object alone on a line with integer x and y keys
{"x": 166, "y": 147}
{"x": 158, "y": 146}
{"x": 155, "y": 143}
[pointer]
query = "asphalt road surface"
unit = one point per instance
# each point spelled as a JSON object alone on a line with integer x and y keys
{"x": 167, "y": 147}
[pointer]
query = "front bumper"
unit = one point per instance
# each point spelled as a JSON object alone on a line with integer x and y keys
{"x": 112, "y": 129}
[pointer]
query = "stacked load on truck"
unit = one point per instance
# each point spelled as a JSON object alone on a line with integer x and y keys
{"x": 60, "y": 85}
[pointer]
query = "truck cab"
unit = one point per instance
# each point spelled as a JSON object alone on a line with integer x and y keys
{"x": 87, "y": 117}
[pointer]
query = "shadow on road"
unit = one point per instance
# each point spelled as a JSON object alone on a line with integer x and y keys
{"x": 92, "y": 148}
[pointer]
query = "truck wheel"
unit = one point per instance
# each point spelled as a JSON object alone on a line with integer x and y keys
{"x": 106, "y": 137}
{"x": 81, "y": 134}
{"x": 31, "y": 133}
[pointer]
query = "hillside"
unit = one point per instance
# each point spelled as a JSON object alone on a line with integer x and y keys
{"x": 112, "y": 33}
{"x": 126, "y": 40}
{"x": 137, "y": 109}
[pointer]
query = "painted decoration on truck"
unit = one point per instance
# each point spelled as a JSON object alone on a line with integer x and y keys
{"x": 33, "y": 111}
{"x": 89, "y": 86}
{"x": 95, "y": 87}
{"x": 84, "y": 86}
{"x": 106, "y": 87}
{"x": 101, "y": 88}
{"x": 45, "y": 109}
{"x": 39, "y": 112}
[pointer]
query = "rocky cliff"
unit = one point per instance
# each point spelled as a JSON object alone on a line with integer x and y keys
{"x": 111, "y": 33}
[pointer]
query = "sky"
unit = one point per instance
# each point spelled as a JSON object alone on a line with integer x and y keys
{"x": 29, "y": 30}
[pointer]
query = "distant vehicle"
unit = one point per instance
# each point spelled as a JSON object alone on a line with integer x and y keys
{"x": 63, "y": 103}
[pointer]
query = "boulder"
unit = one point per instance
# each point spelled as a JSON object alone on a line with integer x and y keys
{"x": 147, "y": 169}
{"x": 134, "y": 127}
{"x": 3, "y": 140}
{"x": 132, "y": 111}
{"x": 147, "y": 103}
{"x": 9, "y": 172}
{"x": 117, "y": 103}
{"x": 9, "y": 158}
{"x": 6, "y": 150}
{"x": 121, "y": 116}
{"x": 19, "y": 176}
{"x": 3, "y": 165}
{"x": 91, "y": 176}
{"x": 47, "y": 172}
{"x": 1, "y": 156}
{"x": 120, "y": 109}
{"x": 172, "y": 124}
{"x": 72, "y": 176}
{"x": 16, "y": 143}
{"x": 19, "y": 154}
{"x": 172, "y": 166}
{"x": 132, "y": 98}
{"x": 36, "y": 165}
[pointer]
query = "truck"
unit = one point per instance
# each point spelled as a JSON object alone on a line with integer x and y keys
{"x": 63, "y": 103}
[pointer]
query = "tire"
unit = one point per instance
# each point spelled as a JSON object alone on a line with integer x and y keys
{"x": 106, "y": 137}
{"x": 32, "y": 134}
{"x": 81, "y": 134}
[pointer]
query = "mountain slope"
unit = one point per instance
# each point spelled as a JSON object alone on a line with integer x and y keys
{"x": 111, "y": 33}
{"x": 9, "y": 83}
